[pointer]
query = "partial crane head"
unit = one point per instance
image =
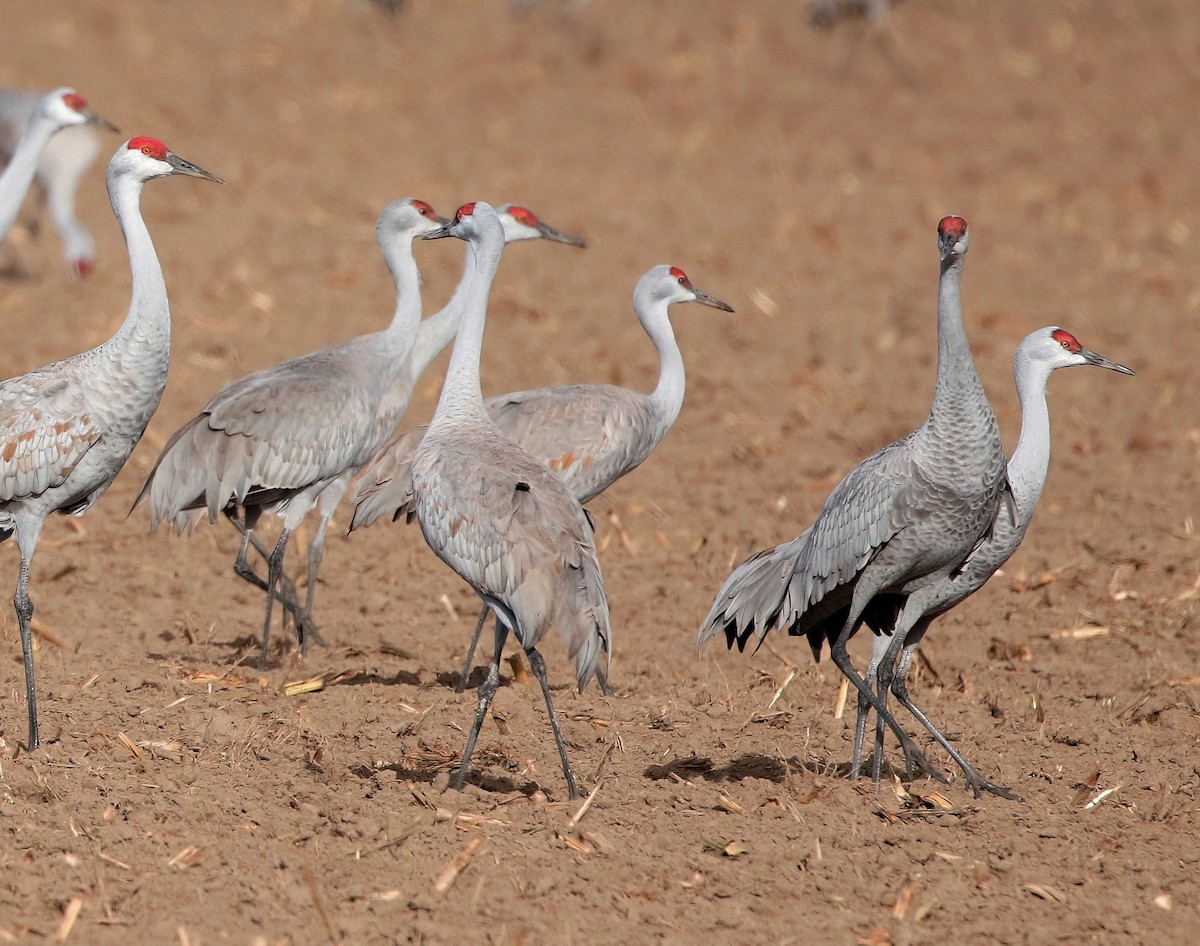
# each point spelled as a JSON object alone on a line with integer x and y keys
{"x": 148, "y": 158}
{"x": 952, "y": 238}
{"x": 521, "y": 223}
{"x": 1053, "y": 347}
{"x": 67, "y": 107}
{"x": 405, "y": 220}
{"x": 666, "y": 285}
{"x": 470, "y": 221}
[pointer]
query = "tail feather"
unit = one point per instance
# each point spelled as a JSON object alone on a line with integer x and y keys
{"x": 583, "y": 619}
{"x": 386, "y": 487}
{"x": 753, "y": 596}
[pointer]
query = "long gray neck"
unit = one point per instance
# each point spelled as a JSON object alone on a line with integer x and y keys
{"x": 402, "y": 331}
{"x": 1031, "y": 459}
{"x": 957, "y": 387}
{"x": 436, "y": 332}
{"x": 667, "y": 397}
{"x": 461, "y": 393}
{"x": 15, "y": 181}
{"x": 146, "y": 331}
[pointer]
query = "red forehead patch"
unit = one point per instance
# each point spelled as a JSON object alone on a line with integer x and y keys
{"x": 523, "y": 215}
{"x": 74, "y": 100}
{"x": 1066, "y": 339}
{"x": 465, "y": 210}
{"x": 680, "y": 276}
{"x": 952, "y": 226}
{"x": 423, "y": 208}
{"x": 149, "y": 146}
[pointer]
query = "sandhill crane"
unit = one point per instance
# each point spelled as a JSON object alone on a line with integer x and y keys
{"x": 589, "y": 434}
{"x": 506, "y": 524}
{"x": 52, "y": 112}
{"x": 433, "y": 335}
{"x": 395, "y": 390}
{"x": 66, "y": 429}
{"x": 1038, "y": 356}
{"x": 437, "y": 331}
{"x": 906, "y": 517}
{"x": 282, "y": 438}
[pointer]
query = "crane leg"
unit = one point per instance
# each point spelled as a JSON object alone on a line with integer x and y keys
{"x": 466, "y": 670}
{"x": 863, "y": 710}
{"x": 24, "y": 608}
{"x": 486, "y": 691}
{"x": 539, "y": 670}
{"x": 899, "y": 687}
{"x": 305, "y": 629}
{"x": 275, "y": 568}
{"x": 841, "y": 659}
{"x": 601, "y": 676}
{"x": 285, "y": 593}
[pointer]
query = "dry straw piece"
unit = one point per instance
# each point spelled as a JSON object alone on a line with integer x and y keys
{"x": 446, "y": 878}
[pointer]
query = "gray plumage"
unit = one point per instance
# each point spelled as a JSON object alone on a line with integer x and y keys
{"x": 67, "y": 429}
{"x": 498, "y": 517}
{"x": 1037, "y": 357}
{"x": 904, "y": 518}
{"x": 28, "y": 126}
{"x": 436, "y": 332}
{"x": 282, "y": 465}
{"x": 589, "y": 434}
{"x": 288, "y": 438}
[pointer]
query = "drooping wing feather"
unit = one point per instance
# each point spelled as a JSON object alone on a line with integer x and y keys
{"x": 589, "y": 434}
{"x": 750, "y": 601}
{"x": 509, "y": 528}
{"x": 45, "y": 429}
{"x": 867, "y": 509}
{"x": 385, "y": 488}
{"x": 274, "y": 431}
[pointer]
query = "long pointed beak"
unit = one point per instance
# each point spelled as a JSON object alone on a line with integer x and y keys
{"x": 440, "y": 232}
{"x": 95, "y": 119}
{"x": 558, "y": 236}
{"x": 180, "y": 166}
{"x": 705, "y": 299}
{"x": 1101, "y": 362}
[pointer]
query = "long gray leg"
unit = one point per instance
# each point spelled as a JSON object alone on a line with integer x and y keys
{"x": 539, "y": 670}
{"x": 24, "y": 608}
{"x": 977, "y": 782}
{"x": 275, "y": 563}
{"x": 466, "y": 670}
{"x": 486, "y": 691}
{"x": 841, "y": 659}
{"x": 285, "y": 593}
{"x": 863, "y": 709}
{"x": 601, "y": 676}
{"x": 305, "y": 628}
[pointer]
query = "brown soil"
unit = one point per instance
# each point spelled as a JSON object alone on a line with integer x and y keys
{"x": 182, "y": 797}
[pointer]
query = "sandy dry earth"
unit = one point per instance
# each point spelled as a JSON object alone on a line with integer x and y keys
{"x": 182, "y": 797}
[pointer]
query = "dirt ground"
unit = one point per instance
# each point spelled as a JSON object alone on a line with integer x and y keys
{"x": 182, "y": 797}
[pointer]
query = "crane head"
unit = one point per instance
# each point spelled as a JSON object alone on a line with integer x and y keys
{"x": 149, "y": 158}
{"x": 464, "y": 225}
{"x": 68, "y": 107}
{"x": 1054, "y": 347}
{"x": 521, "y": 223}
{"x": 663, "y": 286}
{"x": 952, "y": 237}
{"x": 403, "y": 220}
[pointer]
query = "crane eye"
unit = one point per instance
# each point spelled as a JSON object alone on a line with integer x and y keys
{"x": 146, "y": 149}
